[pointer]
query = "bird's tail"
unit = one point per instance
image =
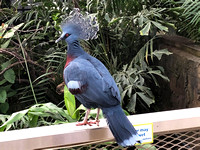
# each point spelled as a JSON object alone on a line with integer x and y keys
{"x": 121, "y": 128}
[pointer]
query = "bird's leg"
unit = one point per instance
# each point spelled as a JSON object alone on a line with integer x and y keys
{"x": 97, "y": 118}
{"x": 85, "y": 122}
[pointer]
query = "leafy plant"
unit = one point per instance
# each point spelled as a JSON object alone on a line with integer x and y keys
{"x": 7, "y": 80}
{"x": 126, "y": 46}
{"x": 70, "y": 104}
{"x": 37, "y": 115}
{"x": 73, "y": 110}
{"x": 131, "y": 79}
{"x": 190, "y": 19}
{"x": 9, "y": 76}
{"x": 27, "y": 39}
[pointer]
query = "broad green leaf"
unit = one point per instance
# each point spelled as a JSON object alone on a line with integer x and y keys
{"x": 70, "y": 102}
{"x": 11, "y": 32}
{"x": 159, "y": 53}
{"x": 141, "y": 80}
{"x": 33, "y": 121}
{"x": 131, "y": 105}
{"x": 9, "y": 75}
{"x": 3, "y": 118}
{"x": 5, "y": 45}
{"x": 146, "y": 99}
{"x": 158, "y": 72}
{"x": 14, "y": 117}
{"x": 3, "y": 96}
{"x": 145, "y": 30}
{"x": 160, "y": 26}
{"x": 141, "y": 21}
{"x": 4, "y": 107}
{"x": 130, "y": 90}
{"x": 3, "y": 81}
{"x": 5, "y": 65}
{"x": 123, "y": 94}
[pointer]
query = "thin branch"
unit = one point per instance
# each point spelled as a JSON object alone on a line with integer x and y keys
{"x": 13, "y": 53}
{"x": 27, "y": 69}
{"x": 21, "y": 62}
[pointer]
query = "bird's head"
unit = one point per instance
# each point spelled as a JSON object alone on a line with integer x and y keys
{"x": 77, "y": 26}
{"x": 70, "y": 33}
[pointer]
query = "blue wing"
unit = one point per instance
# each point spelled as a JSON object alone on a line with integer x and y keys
{"x": 96, "y": 87}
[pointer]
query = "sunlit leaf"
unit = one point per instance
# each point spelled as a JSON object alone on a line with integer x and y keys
{"x": 70, "y": 102}
{"x": 11, "y": 32}
{"x": 145, "y": 30}
{"x": 160, "y": 26}
{"x": 14, "y": 117}
{"x": 160, "y": 53}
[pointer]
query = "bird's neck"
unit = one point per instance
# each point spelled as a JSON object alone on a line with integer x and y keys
{"x": 74, "y": 50}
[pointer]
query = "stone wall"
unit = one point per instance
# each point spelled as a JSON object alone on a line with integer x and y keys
{"x": 183, "y": 70}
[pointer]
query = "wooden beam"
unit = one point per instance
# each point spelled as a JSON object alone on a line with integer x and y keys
{"x": 68, "y": 134}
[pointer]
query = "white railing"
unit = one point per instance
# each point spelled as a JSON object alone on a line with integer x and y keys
{"x": 68, "y": 135}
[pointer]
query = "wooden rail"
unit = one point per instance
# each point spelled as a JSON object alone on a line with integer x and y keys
{"x": 67, "y": 135}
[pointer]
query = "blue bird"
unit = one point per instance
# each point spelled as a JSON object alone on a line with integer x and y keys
{"x": 90, "y": 81}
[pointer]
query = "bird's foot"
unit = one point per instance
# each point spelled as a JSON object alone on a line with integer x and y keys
{"x": 88, "y": 123}
{"x": 95, "y": 122}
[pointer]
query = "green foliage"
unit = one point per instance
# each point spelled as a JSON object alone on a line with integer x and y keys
{"x": 32, "y": 63}
{"x": 73, "y": 111}
{"x": 35, "y": 61}
{"x": 70, "y": 104}
{"x": 7, "y": 80}
{"x": 131, "y": 80}
{"x": 126, "y": 46}
{"x": 190, "y": 19}
{"x": 37, "y": 115}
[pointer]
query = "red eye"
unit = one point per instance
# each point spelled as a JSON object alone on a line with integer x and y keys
{"x": 66, "y": 35}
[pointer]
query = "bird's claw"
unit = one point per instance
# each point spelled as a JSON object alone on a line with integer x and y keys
{"x": 95, "y": 122}
{"x": 88, "y": 123}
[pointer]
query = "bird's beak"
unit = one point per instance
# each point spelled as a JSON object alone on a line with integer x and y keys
{"x": 60, "y": 38}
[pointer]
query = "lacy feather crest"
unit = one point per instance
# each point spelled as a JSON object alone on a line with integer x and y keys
{"x": 86, "y": 25}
